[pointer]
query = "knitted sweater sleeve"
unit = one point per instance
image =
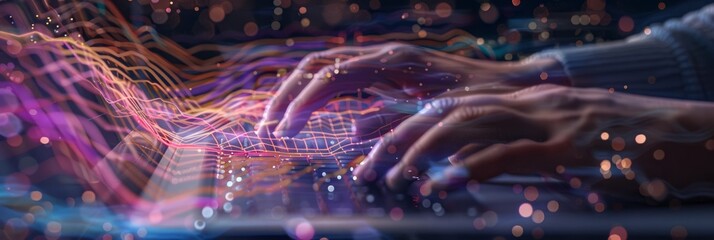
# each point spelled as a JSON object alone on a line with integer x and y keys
{"x": 674, "y": 60}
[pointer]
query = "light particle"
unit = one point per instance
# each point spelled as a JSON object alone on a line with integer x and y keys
{"x": 640, "y": 138}
{"x": 525, "y": 210}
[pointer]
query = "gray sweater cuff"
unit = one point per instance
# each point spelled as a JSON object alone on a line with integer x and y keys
{"x": 641, "y": 66}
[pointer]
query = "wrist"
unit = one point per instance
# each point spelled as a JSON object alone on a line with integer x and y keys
{"x": 534, "y": 71}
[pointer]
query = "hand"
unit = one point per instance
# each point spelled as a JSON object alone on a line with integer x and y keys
{"x": 396, "y": 70}
{"x": 539, "y": 128}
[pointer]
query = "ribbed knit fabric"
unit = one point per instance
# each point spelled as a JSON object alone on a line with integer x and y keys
{"x": 674, "y": 60}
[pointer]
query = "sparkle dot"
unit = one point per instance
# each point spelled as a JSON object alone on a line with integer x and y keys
{"x": 517, "y": 231}
{"x": 553, "y": 206}
{"x": 575, "y": 182}
{"x": 479, "y": 223}
{"x": 422, "y": 34}
{"x": 538, "y": 216}
{"x": 532, "y": 25}
{"x": 443, "y": 10}
{"x": 275, "y": 25}
{"x": 250, "y": 29}
{"x": 709, "y": 145}
{"x": 304, "y": 230}
{"x": 354, "y": 8}
{"x": 640, "y": 138}
{"x": 207, "y": 212}
{"x": 679, "y": 232}
{"x": 54, "y": 227}
{"x": 599, "y": 207}
{"x": 217, "y": 14}
{"x": 525, "y": 210}
{"x": 392, "y": 149}
{"x": 575, "y": 20}
{"x": 396, "y": 214}
{"x": 658, "y": 154}
{"x": 158, "y": 16}
{"x": 626, "y": 24}
{"x": 560, "y": 169}
{"x": 107, "y": 226}
{"x": 618, "y": 144}
{"x": 199, "y": 224}
{"x": 626, "y": 163}
{"x": 36, "y": 196}
{"x": 44, "y": 140}
{"x": 618, "y": 233}
{"x": 604, "y": 136}
{"x": 605, "y": 165}
{"x": 305, "y": 22}
{"x": 543, "y": 76}
{"x": 89, "y": 197}
{"x": 531, "y": 193}
{"x": 593, "y": 198}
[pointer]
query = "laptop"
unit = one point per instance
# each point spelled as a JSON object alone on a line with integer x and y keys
{"x": 235, "y": 184}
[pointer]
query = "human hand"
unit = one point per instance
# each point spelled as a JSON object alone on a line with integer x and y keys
{"x": 539, "y": 128}
{"x": 395, "y": 70}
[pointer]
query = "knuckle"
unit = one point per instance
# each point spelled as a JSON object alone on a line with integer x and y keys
{"x": 463, "y": 113}
{"x": 442, "y": 104}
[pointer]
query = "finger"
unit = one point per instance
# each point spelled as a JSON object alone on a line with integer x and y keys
{"x": 383, "y": 120}
{"x": 383, "y": 155}
{"x": 286, "y": 93}
{"x": 387, "y": 152}
{"x": 466, "y": 151}
{"x": 518, "y": 156}
{"x": 299, "y": 79}
{"x": 462, "y": 127}
{"x": 356, "y": 73}
{"x": 376, "y": 124}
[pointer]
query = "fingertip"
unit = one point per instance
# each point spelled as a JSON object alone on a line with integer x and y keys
{"x": 359, "y": 169}
{"x": 395, "y": 179}
{"x": 262, "y": 129}
{"x": 366, "y": 175}
{"x": 454, "y": 160}
{"x": 430, "y": 186}
{"x": 279, "y": 129}
{"x": 278, "y": 134}
{"x": 291, "y": 126}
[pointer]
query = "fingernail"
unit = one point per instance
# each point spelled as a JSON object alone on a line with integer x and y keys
{"x": 395, "y": 180}
{"x": 278, "y": 134}
{"x": 280, "y": 129}
{"x": 453, "y": 159}
{"x": 366, "y": 175}
{"x": 359, "y": 169}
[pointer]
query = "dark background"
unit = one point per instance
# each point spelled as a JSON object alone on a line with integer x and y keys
{"x": 190, "y": 27}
